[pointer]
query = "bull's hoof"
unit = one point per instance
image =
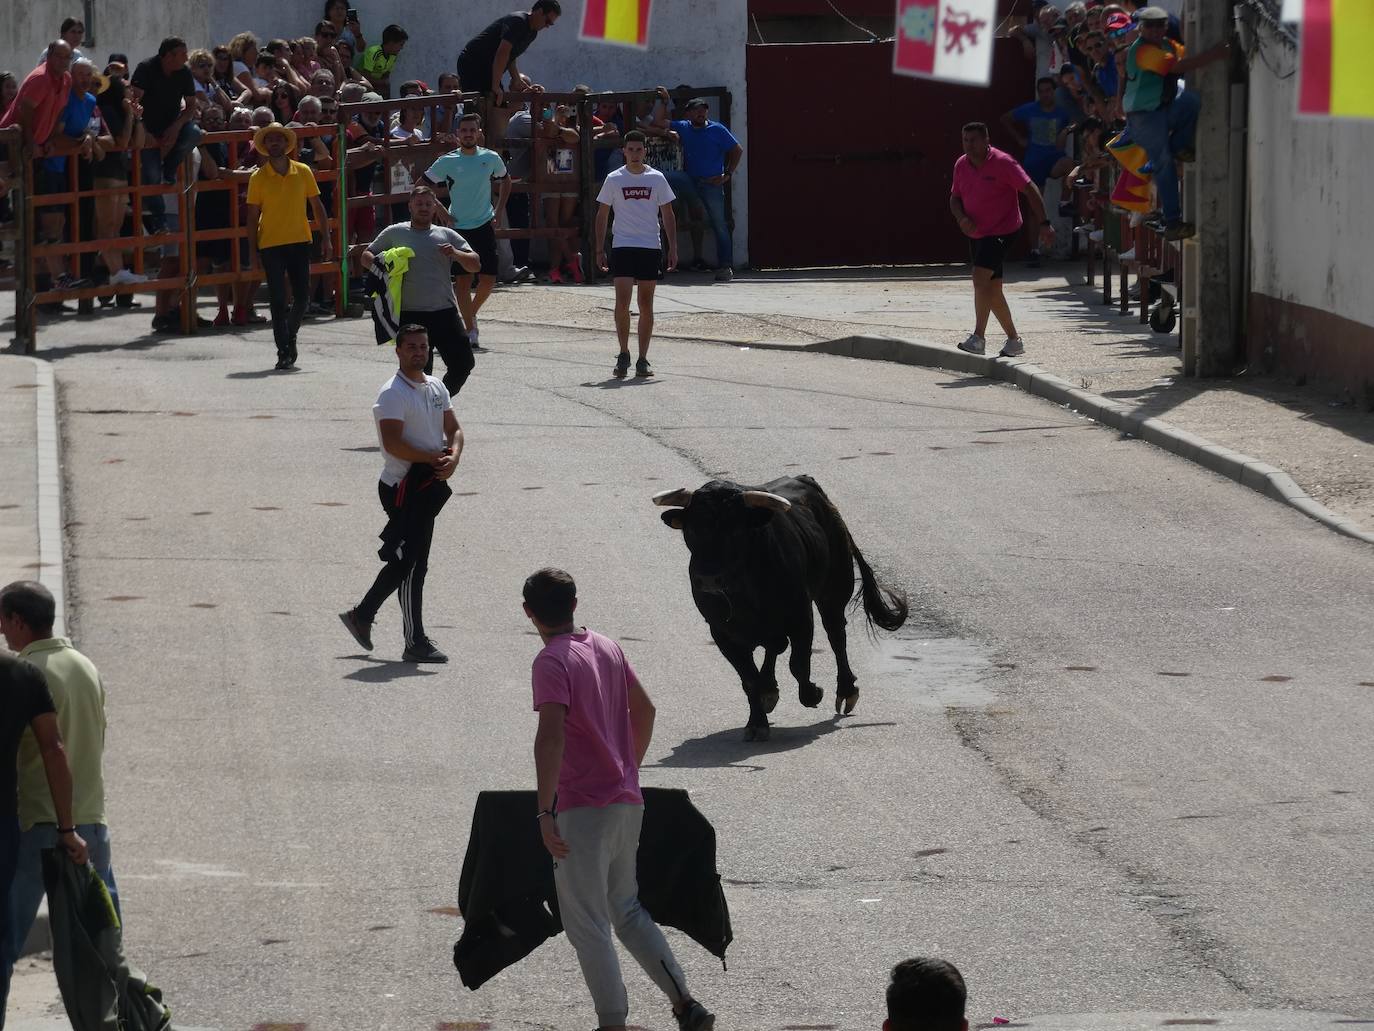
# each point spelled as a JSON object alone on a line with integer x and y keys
{"x": 769, "y": 699}
{"x": 810, "y": 695}
{"x": 844, "y": 703}
{"x": 757, "y": 733}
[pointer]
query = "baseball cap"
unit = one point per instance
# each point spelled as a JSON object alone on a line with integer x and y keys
{"x": 1151, "y": 14}
{"x": 1119, "y": 24}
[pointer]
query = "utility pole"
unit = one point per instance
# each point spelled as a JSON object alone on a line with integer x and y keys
{"x": 1214, "y": 183}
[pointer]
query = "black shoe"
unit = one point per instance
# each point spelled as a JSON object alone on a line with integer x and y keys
{"x": 423, "y": 650}
{"x": 1034, "y": 260}
{"x": 700, "y": 266}
{"x": 362, "y": 632}
{"x": 168, "y": 322}
{"x": 283, "y": 364}
{"x": 643, "y": 370}
{"x": 622, "y": 365}
{"x": 695, "y": 1017}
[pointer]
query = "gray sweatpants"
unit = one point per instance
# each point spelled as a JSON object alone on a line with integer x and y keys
{"x": 598, "y": 892}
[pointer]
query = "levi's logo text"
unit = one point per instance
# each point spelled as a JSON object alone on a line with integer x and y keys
{"x": 637, "y": 192}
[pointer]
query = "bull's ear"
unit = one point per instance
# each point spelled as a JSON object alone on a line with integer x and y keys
{"x": 673, "y": 518}
{"x": 757, "y": 517}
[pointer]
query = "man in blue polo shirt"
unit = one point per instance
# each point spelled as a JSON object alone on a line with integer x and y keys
{"x": 710, "y": 155}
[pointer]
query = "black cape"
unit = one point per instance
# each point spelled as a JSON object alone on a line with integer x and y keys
{"x": 507, "y": 897}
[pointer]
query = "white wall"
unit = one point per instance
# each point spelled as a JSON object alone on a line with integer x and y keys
{"x": 133, "y": 27}
{"x": 1311, "y": 208}
{"x": 691, "y": 41}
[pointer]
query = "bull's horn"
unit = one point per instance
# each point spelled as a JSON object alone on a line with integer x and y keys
{"x": 680, "y": 498}
{"x": 763, "y": 499}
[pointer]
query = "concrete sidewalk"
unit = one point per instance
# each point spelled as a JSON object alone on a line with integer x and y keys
{"x": 1324, "y": 440}
{"x": 31, "y": 548}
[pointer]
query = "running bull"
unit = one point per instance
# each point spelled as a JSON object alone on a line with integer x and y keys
{"x": 761, "y": 556}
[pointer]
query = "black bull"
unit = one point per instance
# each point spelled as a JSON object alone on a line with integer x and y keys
{"x": 760, "y": 557}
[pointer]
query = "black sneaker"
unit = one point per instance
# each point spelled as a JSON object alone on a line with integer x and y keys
{"x": 700, "y": 266}
{"x": 643, "y": 370}
{"x": 622, "y": 365}
{"x": 362, "y": 632}
{"x": 283, "y": 363}
{"x": 695, "y": 1017}
{"x": 423, "y": 650}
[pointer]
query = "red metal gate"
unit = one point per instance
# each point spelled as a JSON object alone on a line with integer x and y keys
{"x": 850, "y": 164}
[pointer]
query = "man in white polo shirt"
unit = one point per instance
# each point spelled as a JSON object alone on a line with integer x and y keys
{"x": 639, "y": 196}
{"x": 421, "y": 444}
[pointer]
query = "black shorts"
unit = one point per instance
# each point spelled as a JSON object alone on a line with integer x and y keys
{"x": 483, "y": 241}
{"x": 473, "y": 78}
{"x": 990, "y": 252}
{"x": 638, "y": 263}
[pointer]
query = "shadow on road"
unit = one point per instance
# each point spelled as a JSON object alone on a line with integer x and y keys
{"x": 727, "y": 748}
{"x": 385, "y": 671}
{"x": 617, "y": 384}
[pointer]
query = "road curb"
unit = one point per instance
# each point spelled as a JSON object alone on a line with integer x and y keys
{"x": 1245, "y": 470}
{"x": 51, "y": 569}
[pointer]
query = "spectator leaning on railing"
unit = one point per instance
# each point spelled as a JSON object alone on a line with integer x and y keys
{"x": 710, "y": 155}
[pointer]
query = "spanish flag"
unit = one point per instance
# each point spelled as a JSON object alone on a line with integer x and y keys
{"x": 1337, "y": 36}
{"x": 623, "y": 22}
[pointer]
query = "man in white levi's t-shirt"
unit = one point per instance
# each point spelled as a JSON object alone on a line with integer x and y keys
{"x": 639, "y": 196}
{"x": 416, "y": 426}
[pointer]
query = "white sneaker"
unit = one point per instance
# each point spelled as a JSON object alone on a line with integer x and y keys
{"x": 1127, "y": 255}
{"x": 1013, "y": 348}
{"x": 974, "y": 344}
{"x": 1095, "y": 236}
{"x": 127, "y": 277}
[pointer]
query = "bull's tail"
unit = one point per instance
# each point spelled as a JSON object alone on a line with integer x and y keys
{"x": 883, "y": 606}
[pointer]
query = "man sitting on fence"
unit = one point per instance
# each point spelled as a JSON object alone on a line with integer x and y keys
{"x": 490, "y": 55}
{"x": 710, "y": 155}
{"x": 167, "y": 91}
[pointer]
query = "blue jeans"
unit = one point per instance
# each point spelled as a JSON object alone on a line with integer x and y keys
{"x": 27, "y": 891}
{"x": 161, "y": 211}
{"x": 9, "y": 856}
{"x": 1163, "y": 133}
{"x": 699, "y": 194}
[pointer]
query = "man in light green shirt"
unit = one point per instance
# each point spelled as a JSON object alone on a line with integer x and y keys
{"x": 27, "y": 610}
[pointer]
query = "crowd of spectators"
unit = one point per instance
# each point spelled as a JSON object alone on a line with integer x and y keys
{"x": 1107, "y": 72}
{"x": 71, "y": 108}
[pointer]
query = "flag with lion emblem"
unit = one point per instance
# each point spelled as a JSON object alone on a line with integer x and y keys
{"x": 945, "y": 39}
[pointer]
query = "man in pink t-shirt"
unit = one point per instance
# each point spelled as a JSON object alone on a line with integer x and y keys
{"x": 985, "y": 199}
{"x": 595, "y": 722}
{"x": 42, "y": 97}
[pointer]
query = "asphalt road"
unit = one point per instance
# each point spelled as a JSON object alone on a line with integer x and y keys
{"x": 1117, "y": 762}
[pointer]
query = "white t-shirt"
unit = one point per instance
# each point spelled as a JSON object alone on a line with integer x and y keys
{"x": 421, "y": 406}
{"x": 635, "y": 199}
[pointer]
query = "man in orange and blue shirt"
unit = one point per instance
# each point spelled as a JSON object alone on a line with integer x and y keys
{"x": 1161, "y": 117}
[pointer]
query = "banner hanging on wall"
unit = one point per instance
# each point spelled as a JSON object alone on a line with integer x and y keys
{"x": 622, "y": 22}
{"x": 950, "y": 40}
{"x": 1333, "y": 59}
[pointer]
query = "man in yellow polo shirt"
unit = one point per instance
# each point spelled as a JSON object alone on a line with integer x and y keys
{"x": 27, "y": 611}
{"x": 279, "y": 232}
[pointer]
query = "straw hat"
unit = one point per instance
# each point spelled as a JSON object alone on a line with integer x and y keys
{"x": 100, "y": 82}
{"x": 260, "y": 137}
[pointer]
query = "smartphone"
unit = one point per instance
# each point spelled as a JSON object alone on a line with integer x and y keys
{"x": 352, "y": 14}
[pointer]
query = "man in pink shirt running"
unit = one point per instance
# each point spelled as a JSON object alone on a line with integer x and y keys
{"x": 985, "y": 199}
{"x": 595, "y": 722}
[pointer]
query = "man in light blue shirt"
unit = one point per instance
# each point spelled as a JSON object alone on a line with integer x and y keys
{"x": 710, "y": 155}
{"x": 465, "y": 177}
